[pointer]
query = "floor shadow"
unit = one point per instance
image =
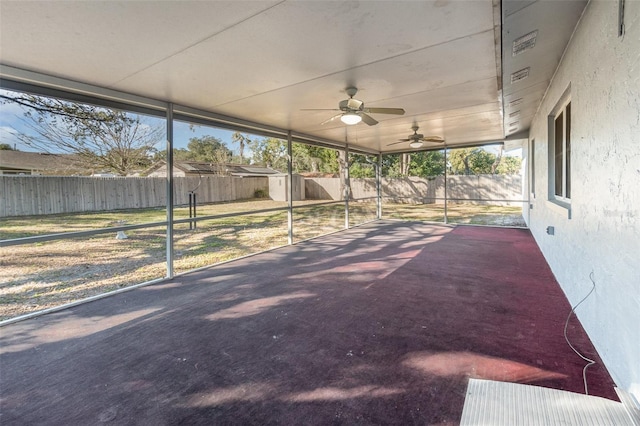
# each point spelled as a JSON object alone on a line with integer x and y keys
{"x": 382, "y": 324}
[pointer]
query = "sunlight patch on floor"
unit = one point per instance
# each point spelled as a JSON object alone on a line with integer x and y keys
{"x": 246, "y": 392}
{"x": 257, "y": 306}
{"x": 473, "y": 365}
{"x": 336, "y": 394}
{"x": 68, "y": 327}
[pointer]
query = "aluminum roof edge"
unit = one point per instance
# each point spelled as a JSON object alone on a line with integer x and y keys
{"x": 13, "y": 77}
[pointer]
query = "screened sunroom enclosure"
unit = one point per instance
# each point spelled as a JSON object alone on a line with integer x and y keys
{"x": 86, "y": 231}
{"x": 354, "y": 296}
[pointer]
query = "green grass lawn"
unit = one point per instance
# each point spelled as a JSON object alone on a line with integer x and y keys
{"x": 472, "y": 214}
{"x": 27, "y": 226}
{"x": 41, "y": 275}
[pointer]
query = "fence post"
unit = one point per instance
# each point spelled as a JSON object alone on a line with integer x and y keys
{"x": 192, "y": 210}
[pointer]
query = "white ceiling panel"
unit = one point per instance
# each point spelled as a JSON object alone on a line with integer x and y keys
{"x": 382, "y": 83}
{"x": 256, "y": 64}
{"x": 102, "y": 42}
{"x": 265, "y": 61}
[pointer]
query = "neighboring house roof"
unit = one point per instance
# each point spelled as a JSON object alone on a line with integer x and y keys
{"x": 39, "y": 162}
{"x": 248, "y": 170}
{"x": 199, "y": 167}
{"x": 204, "y": 168}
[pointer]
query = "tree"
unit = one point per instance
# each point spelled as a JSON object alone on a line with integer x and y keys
{"x": 302, "y": 159}
{"x": 496, "y": 162}
{"x": 345, "y": 184}
{"x": 509, "y": 165}
{"x": 270, "y": 152}
{"x": 314, "y": 159}
{"x": 179, "y": 154}
{"x": 241, "y": 140}
{"x": 390, "y": 165}
{"x": 56, "y": 107}
{"x": 5, "y": 147}
{"x": 420, "y": 164}
{"x": 427, "y": 164}
{"x": 467, "y": 161}
{"x": 208, "y": 149}
{"x": 361, "y": 168}
{"x": 99, "y": 138}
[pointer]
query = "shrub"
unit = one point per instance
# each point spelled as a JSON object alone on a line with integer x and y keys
{"x": 261, "y": 193}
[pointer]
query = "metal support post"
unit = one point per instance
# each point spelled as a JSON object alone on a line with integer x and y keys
{"x": 379, "y": 187}
{"x": 290, "y": 177}
{"x": 445, "y": 184}
{"x": 169, "y": 241}
{"x": 347, "y": 186}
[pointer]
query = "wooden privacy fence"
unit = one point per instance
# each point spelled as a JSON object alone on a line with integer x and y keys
{"x": 415, "y": 189}
{"x": 41, "y": 195}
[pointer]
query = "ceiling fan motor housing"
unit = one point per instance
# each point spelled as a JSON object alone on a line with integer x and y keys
{"x": 351, "y": 105}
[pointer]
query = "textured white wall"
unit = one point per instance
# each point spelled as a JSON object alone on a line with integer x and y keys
{"x": 603, "y": 233}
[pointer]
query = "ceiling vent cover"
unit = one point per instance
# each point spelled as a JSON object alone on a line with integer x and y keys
{"x": 515, "y": 102}
{"x": 524, "y": 43}
{"x": 520, "y": 75}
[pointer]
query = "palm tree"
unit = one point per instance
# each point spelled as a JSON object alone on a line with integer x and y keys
{"x": 241, "y": 140}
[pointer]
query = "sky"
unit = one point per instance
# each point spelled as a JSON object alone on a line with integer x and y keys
{"x": 182, "y": 133}
{"x": 12, "y": 123}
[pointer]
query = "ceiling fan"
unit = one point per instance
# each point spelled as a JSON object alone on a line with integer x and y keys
{"x": 353, "y": 111}
{"x": 417, "y": 140}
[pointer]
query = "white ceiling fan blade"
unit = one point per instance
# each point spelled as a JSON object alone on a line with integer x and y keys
{"x": 395, "y": 111}
{"x": 400, "y": 141}
{"x": 432, "y": 139}
{"x": 331, "y": 119}
{"x": 319, "y": 109}
{"x": 368, "y": 119}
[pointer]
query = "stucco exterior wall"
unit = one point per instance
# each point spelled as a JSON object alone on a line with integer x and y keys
{"x": 602, "y": 234}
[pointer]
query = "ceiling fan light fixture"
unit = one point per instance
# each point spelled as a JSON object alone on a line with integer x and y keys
{"x": 350, "y": 118}
{"x": 415, "y": 144}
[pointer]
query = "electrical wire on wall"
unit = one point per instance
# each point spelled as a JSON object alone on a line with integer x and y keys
{"x": 589, "y": 361}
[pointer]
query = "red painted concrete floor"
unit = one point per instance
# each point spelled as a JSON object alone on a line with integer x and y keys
{"x": 382, "y": 324}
